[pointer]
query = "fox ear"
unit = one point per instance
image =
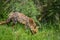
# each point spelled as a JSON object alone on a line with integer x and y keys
{"x": 31, "y": 21}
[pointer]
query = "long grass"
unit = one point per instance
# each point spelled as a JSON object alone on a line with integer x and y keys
{"x": 19, "y": 33}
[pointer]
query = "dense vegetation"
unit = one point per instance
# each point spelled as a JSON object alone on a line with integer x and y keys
{"x": 44, "y": 12}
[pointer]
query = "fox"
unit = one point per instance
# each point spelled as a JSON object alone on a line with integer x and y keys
{"x": 21, "y": 18}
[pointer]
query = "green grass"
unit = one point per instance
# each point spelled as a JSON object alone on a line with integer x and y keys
{"x": 7, "y": 33}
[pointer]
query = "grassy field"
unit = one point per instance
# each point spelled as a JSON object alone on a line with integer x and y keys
{"x": 7, "y": 33}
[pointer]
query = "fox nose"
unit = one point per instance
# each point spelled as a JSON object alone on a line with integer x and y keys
{"x": 34, "y": 31}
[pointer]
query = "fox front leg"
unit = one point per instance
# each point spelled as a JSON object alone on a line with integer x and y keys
{"x": 26, "y": 25}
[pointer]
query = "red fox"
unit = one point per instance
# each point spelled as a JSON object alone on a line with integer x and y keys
{"x": 21, "y": 18}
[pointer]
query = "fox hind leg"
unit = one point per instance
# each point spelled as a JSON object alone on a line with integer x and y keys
{"x": 5, "y": 22}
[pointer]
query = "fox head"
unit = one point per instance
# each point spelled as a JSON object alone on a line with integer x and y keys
{"x": 33, "y": 26}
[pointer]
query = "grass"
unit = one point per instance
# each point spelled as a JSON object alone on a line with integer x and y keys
{"x": 7, "y": 33}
